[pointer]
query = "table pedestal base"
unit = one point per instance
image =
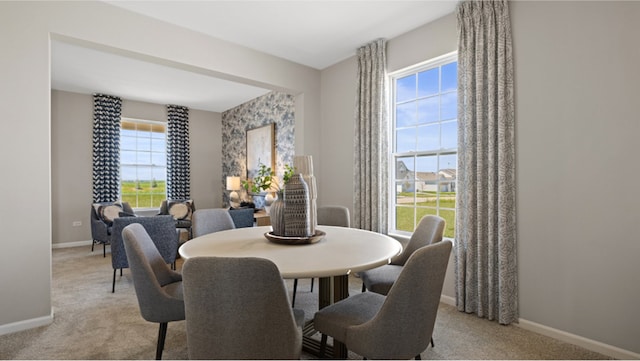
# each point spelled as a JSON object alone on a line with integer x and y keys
{"x": 332, "y": 290}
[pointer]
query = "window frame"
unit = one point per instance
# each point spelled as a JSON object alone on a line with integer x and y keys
{"x": 136, "y": 164}
{"x": 394, "y": 156}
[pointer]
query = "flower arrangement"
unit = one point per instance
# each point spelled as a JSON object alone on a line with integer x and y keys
{"x": 265, "y": 179}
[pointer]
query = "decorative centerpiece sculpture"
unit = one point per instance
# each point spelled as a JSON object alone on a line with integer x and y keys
{"x": 293, "y": 213}
{"x": 297, "y": 218}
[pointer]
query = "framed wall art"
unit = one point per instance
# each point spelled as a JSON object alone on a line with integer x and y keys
{"x": 260, "y": 148}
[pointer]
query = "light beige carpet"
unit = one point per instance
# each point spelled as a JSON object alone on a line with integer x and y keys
{"x": 92, "y": 323}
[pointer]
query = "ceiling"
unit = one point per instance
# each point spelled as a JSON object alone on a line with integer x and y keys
{"x": 317, "y": 34}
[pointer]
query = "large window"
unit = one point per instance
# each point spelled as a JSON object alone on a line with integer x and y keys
{"x": 143, "y": 163}
{"x": 424, "y": 154}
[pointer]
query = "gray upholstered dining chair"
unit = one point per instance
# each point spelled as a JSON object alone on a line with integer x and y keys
{"x": 430, "y": 230}
{"x": 328, "y": 216}
{"x": 163, "y": 233}
{"x": 238, "y": 308}
{"x": 158, "y": 288}
{"x": 396, "y": 326}
{"x": 211, "y": 220}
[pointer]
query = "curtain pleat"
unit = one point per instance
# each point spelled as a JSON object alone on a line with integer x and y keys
{"x": 178, "y": 153}
{"x": 106, "y": 147}
{"x": 371, "y": 139}
{"x": 485, "y": 255}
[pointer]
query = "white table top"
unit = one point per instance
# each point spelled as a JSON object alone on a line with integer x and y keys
{"x": 342, "y": 251}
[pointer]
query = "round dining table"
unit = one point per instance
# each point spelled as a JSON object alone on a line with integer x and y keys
{"x": 340, "y": 252}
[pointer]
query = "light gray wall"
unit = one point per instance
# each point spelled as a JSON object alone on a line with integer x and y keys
{"x": 71, "y": 159}
{"x": 576, "y": 123}
{"x": 576, "y": 89}
{"x": 26, "y": 155}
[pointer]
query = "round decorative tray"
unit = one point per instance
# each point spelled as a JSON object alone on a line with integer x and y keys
{"x": 295, "y": 240}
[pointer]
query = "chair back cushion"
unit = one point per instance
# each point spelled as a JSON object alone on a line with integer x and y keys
{"x": 238, "y": 308}
{"x": 334, "y": 216}
{"x": 242, "y": 217}
{"x": 430, "y": 230}
{"x": 161, "y": 230}
{"x": 211, "y": 220}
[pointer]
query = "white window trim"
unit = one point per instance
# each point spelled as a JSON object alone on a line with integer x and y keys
{"x": 147, "y": 121}
{"x": 391, "y": 96}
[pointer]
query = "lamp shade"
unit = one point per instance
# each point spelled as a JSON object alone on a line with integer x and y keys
{"x": 233, "y": 183}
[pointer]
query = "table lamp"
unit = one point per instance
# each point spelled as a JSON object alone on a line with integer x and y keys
{"x": 233, "y": 185}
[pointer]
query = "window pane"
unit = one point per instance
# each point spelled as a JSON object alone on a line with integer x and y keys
{"x": 127, "y": 157}
{"x": 128, "y": 143}
{"x": 405, "y": 140}
{"x": 405, "y": 218}
{"x": 450, "y": 218}
{"x": 159, "y": 159}
{"x": 406, "y": 115}
{"x": 449, "y": 106}
{"x": 128, "y": 173}
{"x": 450, "y": 76}
{"x": 428, "y": 82}
{"x": 144, "y": 144}
{"x": 406, "y": 88}
{"x": 429, "y": 137}
{"x": 404, "y": 168}
{"x": 127, "y": 132}
{"x": 449, "y": 135}
{"x": 448, "y": 165}
{"x": 428, "y": 110}
{"x": 158, "y": 145}
{"x": 159, "y": 173}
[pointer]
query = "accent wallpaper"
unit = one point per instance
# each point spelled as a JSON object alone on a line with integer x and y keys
{"x": 275, "y": 107}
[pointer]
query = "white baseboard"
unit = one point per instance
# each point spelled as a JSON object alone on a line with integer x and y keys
{"x": 567, "y": 337}
{"x": 589, "y": 344}
{"x": 26, "y": 324}
{"x": 71, "y": 244}
{"x": 448, "y": 300}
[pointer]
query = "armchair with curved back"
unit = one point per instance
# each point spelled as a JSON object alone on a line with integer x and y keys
{"x": 101, "y": 230}
{"x": 183, "y": 214}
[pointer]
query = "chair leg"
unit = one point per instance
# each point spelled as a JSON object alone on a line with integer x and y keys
{"x": 113, "y": 287}
{"x": 418, "y": 357}
{"x": 104, "y": 250}
{"x": 93, "y": 243}
{"x": 323, "y": 345}
{"x": 295, "y": 289}
{"x": 312, "y": 285}
{"x": 432, "y": 344}
{"x": 364, "y": 288}
{"x": 162, "y": 334}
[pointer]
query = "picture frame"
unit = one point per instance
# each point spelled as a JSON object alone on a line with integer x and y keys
{"x": 260, "y": 148}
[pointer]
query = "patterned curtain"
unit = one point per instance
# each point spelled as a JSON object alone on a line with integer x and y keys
{"x": 106, "y": 148}
{"x": 486, "y": 272}
{"x": 371, "y": 139}
{"x": 178, "y": 155}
